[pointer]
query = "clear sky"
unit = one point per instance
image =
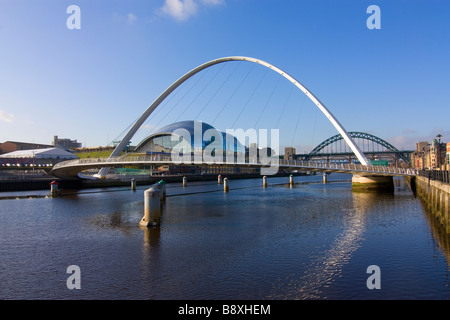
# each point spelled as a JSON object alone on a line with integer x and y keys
{"x": 91, "y": 83}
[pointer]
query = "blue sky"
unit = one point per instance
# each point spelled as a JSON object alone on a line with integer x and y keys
{"x": 91, "y": 84}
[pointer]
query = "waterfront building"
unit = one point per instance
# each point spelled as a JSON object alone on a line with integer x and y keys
{"x": 436, "y": 155}
{"x": 34, "y": 157}
{"x": 289, "y": 153}
{"x": 10, "y": 146}
{"x": 169, "y": 140}
{"x": 432, "y": 156}
{"x": 162, "y": 141}
{"x": 66, "y": 144}
{"x": 447, "y": 162}
{"x": 419, "y": 155}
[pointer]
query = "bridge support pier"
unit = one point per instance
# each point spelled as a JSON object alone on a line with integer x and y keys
{"x": 152, "y": 207}
{"x": 225, "y": 185}
{"x": 54, "y": 188}
{"x": 366, "y": 183}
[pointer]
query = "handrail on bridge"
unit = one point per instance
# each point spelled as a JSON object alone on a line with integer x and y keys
{"x": 282, "y": 162}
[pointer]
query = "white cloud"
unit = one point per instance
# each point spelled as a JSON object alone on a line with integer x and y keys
{"x": 131, "y": 18}
{"x": 213, "y": 2}
{"x": 182, "y": 10}
{"x": 6, "y": 117}
{"x": 409, "y": 137}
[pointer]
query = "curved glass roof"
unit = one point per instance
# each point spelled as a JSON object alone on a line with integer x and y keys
{"x": 191, "y": 127}
{"x": 188, "y": 125}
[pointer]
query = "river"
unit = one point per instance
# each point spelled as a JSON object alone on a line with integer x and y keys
{"x": 309, "y": 241}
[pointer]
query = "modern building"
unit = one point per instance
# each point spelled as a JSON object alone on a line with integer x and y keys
{"x": 66, "y": 144}
{"x": 178, "y": 134}
{"x": 10, "y": 146}
{"x": 47, "y": 156}
{"x": 193, "y": 139}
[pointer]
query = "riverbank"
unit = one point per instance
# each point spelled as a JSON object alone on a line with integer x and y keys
{"x": 435, "y": 195}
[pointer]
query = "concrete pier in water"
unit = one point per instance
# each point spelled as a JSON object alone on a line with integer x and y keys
{"x": 372, "y": 182}
{"x": 54, "y": 190}
{"x": 154, "y": 198}
{"x": 225, "y": 185}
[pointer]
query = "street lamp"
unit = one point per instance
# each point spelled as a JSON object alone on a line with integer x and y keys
{"x": 439, "y": 136}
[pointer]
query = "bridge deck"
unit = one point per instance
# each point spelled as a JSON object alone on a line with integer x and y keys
{"x": 71, "y": 168}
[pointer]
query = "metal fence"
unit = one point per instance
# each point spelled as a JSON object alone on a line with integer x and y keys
{"x": 438, "y": 175}
{"x": 14, "y": 174}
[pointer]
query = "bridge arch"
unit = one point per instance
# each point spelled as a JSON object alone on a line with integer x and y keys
{"x": 120, "y": 147}
{"x": 359, "y": 135}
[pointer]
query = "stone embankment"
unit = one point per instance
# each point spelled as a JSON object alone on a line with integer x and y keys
{"x": 435, "y": 195}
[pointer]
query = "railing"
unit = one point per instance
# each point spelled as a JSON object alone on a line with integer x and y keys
{"x": 438, "y": 175}
{"x": 281, "y": 162}
{"x": 13, "y": 174}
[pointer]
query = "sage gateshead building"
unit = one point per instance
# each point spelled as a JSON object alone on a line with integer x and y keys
{"x": 191, "y": 139}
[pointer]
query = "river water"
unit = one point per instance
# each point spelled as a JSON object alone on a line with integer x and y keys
{"x": 311, "y": 241}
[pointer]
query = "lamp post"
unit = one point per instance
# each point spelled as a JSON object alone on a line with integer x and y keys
{"x": 439, "y": 136}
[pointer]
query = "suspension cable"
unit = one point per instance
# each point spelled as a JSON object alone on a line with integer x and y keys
{"x": 229, "y": 99}
{"x": 298, "y": 120}
{"x": 156, "y": 126}
{"x": 218, "y": 89}
{"x": 267, "y": 102}
{"x": 285, "y": 103}
{"x": 250, "y": 97}
{"x": 196, "y": 97}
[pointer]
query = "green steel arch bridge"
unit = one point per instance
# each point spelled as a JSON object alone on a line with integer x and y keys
{"x": 372, "y": 146}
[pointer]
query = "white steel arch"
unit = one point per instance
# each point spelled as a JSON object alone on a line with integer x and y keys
{"x": 359, "y": 154}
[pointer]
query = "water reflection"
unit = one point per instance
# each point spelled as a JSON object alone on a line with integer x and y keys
{"x": 440, "y": 235}
{"x": 327, "y": 266}
{"x": 151, "y": 236}
{"x": 311, "y": 241}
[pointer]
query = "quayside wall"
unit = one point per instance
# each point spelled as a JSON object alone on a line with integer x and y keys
{"x": 435, "y": 195}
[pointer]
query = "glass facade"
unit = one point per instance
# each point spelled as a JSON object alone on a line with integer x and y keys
{"x": 177, "y": 135}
